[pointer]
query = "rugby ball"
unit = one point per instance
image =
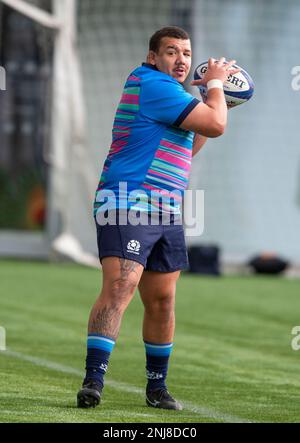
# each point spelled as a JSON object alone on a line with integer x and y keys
{"x": 238, "y": 88}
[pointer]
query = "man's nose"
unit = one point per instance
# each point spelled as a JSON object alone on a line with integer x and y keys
{"x": 180, "y": 58}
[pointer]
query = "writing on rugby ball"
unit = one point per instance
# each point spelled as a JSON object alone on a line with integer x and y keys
{"x": 238, "y": 88}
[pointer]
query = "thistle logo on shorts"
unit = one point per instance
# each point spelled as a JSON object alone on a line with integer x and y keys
{"x": 134, "y": 247}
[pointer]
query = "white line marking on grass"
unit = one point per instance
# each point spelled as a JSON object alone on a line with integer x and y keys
{"x": 204, "y": 412}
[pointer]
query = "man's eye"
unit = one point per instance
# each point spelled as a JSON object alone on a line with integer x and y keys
{"x": 171, "y": 53}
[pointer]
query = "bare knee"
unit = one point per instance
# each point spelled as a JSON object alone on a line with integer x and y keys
{"x": 118, "y": 293}
{"x": 161, "y": 304}
{"x": 122, "y": 288}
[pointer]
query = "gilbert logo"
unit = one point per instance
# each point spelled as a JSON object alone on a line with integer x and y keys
{"x": 134, "y": 247}
{"x": 231, "y": 78}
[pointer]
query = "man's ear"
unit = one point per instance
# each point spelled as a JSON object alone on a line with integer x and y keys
{"x": 151, "y": 58}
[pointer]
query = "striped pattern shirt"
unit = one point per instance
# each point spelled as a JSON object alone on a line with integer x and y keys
{"x": 148, "y": 163}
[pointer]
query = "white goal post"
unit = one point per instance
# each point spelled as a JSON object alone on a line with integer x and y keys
{"x": 34, "y": 12}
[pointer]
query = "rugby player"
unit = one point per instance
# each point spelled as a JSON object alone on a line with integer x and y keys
{"x": 158, "y": 128}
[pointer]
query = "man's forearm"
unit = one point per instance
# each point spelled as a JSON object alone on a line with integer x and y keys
{"x": 216, "y": 101}
{"x": 199, "y": 141}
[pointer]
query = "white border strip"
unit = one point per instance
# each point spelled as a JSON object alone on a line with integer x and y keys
{"x": 95, "y": 337}
{"x": 204, "y": 412}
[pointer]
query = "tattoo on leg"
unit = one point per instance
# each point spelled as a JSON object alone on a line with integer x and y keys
{"x": 106, "y": 322}
{"x": 107, "y": 319}
{"x": 127, "y": 266}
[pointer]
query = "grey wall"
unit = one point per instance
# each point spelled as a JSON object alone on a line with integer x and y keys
{"x": 251, "y": 175}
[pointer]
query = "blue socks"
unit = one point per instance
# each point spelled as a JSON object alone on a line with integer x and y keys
{"x": 157, "y": 360}
{"x": 99, "y": 349}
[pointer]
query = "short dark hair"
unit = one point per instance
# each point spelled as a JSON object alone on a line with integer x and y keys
{"x": 168, "y": 31}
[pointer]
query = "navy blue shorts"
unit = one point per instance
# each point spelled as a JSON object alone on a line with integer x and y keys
{"x": 159, "y": 248}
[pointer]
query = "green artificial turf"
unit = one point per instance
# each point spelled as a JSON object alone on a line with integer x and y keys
{"x": 232, "y": 359}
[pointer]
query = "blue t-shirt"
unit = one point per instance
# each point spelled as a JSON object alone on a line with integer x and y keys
{"x": 148, "y": 164}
